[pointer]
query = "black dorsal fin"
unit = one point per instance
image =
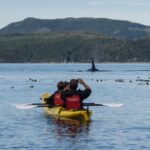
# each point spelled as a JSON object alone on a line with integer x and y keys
{"x": 93, "y": 69}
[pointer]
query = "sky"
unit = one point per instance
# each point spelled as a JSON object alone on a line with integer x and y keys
{"x": 132, "y": 10}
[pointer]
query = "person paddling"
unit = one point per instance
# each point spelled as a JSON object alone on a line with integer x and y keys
{"x": 74, "y": 97}
{"x": 55, "y": 99}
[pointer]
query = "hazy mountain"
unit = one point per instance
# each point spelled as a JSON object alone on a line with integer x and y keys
{"x": 108, "y": 27}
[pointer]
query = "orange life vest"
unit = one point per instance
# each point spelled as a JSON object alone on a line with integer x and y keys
{"x": 73, "y": 102}
{"x": 57, "y": 99}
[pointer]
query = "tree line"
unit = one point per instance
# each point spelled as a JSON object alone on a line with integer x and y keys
{"x": 71, "y": 47}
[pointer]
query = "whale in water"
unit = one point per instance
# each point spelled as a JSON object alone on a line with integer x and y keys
{"x": 93, "y": 68}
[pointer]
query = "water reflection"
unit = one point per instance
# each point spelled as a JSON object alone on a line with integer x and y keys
{"x": 68, "y": 128}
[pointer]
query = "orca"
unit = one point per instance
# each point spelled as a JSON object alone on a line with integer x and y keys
{"x": 93, "y": 68}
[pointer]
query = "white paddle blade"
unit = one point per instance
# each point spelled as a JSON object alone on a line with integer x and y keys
{"x": 24, "y": 106}
{"x": 114, "y": 105}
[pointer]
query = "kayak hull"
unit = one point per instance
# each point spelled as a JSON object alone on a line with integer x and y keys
{"x": 62, "y": 113}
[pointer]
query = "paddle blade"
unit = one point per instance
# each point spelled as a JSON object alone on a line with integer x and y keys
{"x": 114, "y": 105}
{"x": 24, "y": 106}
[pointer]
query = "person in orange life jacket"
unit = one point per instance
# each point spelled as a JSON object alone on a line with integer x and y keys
{"x": 55, "y": 99}
{"x": 74, "y": 97}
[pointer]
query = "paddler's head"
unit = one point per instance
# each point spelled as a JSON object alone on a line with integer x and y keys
{"x": 74, "y": 84}
{"x": 60, "y": 85}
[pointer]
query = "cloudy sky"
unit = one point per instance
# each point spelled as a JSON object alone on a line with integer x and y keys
{"x": 131, "y": 10}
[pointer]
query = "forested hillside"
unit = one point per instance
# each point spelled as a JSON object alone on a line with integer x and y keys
{"x": 72, "y": 47}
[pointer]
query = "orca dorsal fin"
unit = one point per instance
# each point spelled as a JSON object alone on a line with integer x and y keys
{"x": 93, "y": 68}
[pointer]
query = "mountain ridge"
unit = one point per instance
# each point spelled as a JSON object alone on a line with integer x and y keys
{"x": 104, "y": 26}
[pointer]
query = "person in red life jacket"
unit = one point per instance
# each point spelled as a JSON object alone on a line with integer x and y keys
{"x": 55, "y": 99}
{"x": 74, "y": 97}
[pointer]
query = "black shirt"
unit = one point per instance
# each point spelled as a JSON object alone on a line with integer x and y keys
{"x": 83, "y": 94}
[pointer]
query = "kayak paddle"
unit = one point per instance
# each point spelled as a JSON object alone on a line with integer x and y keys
{"x": 34, "y": 105}
{"x": 113, "y": 105}
{"x": 29, "y": 106}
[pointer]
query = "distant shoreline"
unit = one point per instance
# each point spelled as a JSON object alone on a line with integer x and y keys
{"x": 77, "y": 63}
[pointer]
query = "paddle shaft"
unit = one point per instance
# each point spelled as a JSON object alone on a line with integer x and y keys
{"x": 92, "y": 104}
{"x": 48, "y": 105}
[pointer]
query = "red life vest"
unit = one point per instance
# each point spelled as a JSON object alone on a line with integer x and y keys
{"x": 73, "y": 102}
{"x": 57, "y": 99}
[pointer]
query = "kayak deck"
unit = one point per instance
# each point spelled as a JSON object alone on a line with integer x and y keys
{"x": 62, "y": 113}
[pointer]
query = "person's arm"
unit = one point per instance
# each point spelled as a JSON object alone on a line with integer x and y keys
{"x": 67, "y": 87}
{"x": 84, "y": 84}
{"x": 84, "y": 93}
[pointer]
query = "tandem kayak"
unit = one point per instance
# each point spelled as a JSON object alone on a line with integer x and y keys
{"x": 62, "y": 113}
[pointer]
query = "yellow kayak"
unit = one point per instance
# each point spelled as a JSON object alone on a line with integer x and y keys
{"x": 62, "y": 113}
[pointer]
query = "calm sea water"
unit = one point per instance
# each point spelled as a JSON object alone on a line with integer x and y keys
{"x": 126, "y": 128}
